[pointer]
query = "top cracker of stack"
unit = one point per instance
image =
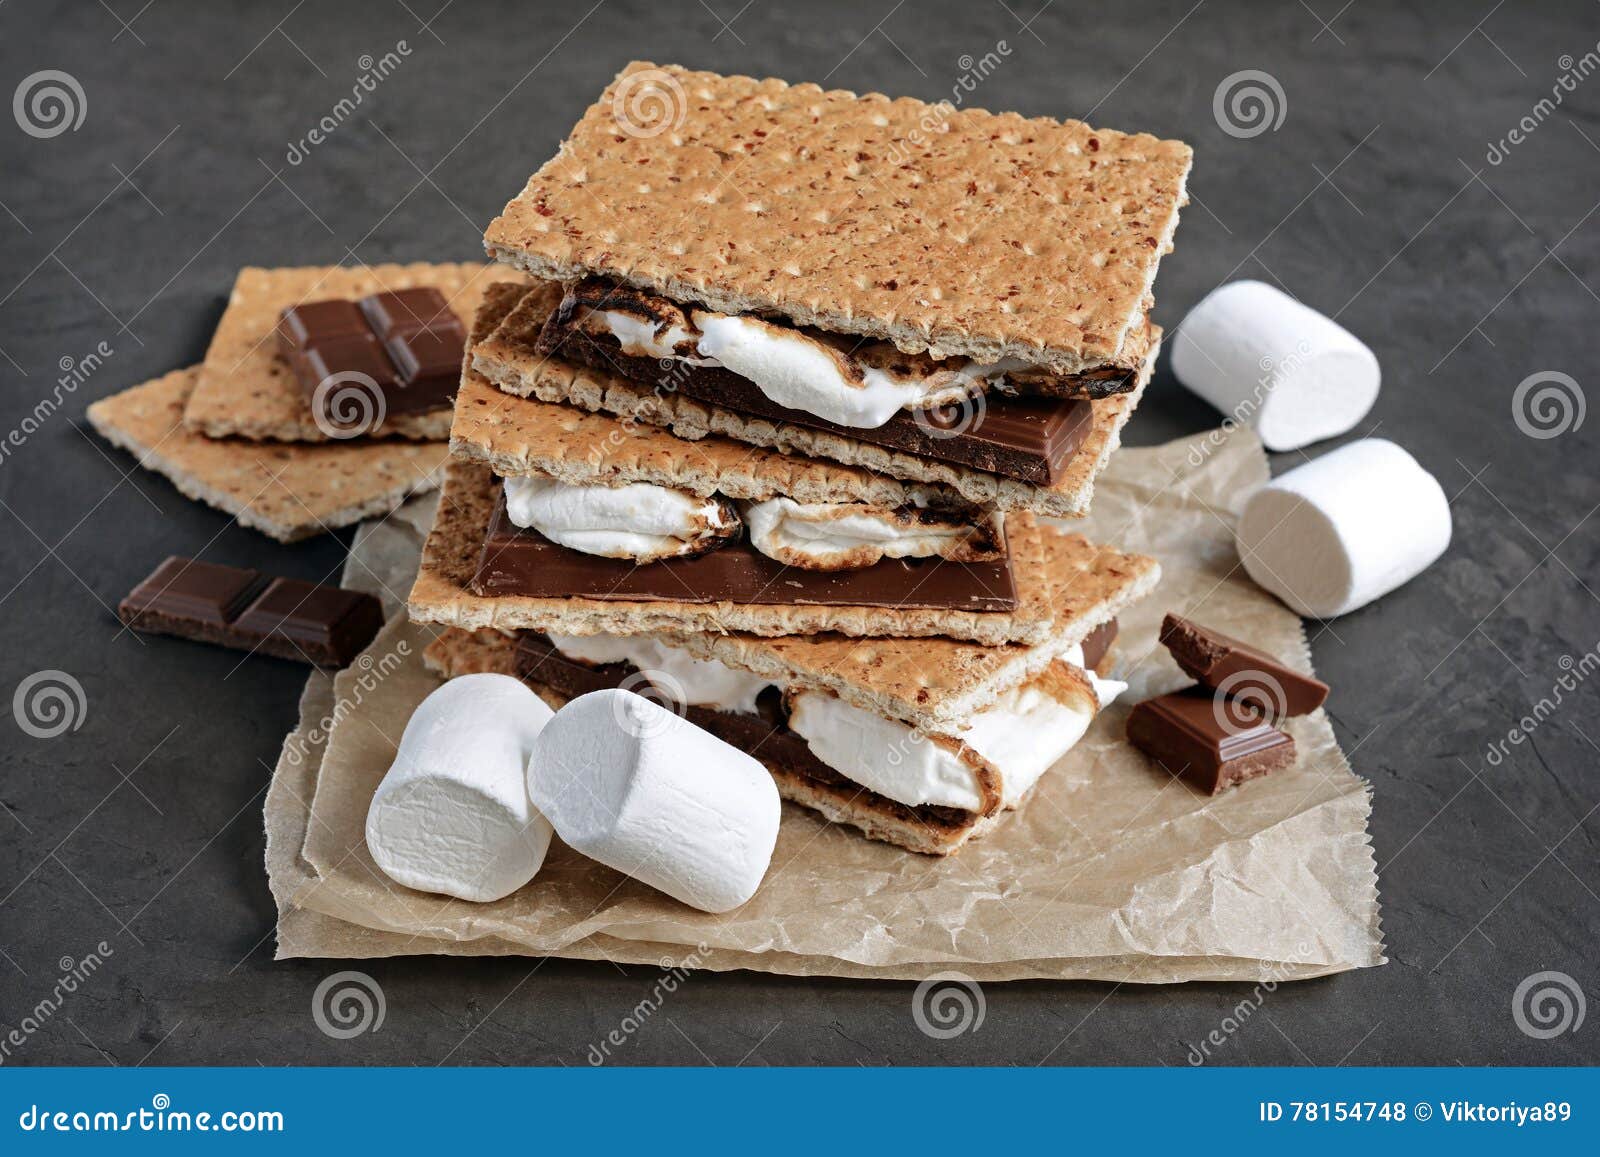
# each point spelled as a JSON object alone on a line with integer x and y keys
{"x": 943, "y": 296}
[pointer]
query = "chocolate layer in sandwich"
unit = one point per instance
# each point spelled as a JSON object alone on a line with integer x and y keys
{"x": 764, "y": 735}
{"x": 518, "y": 561}
{"x": 1013, "y": 435}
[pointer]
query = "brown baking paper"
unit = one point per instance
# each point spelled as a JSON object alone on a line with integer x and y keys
{"x": 1113, "y": 870}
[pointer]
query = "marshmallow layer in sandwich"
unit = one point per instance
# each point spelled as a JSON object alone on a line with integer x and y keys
{"x": 1010, "y": 450}
{"x": 928, "y": 790}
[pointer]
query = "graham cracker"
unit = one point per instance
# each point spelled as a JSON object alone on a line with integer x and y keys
{"x": 508, "y": 358}
{"x": 959, "y": 232}
{"x": 457, "y": 652}
{"x": 285, "y": 491}
{"x": 450, "y": 557}
{"x": 246, "y": 390}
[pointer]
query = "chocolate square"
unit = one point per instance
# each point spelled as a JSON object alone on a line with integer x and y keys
{"x": 359, "y": 354}
{"x": 320, "y": 620}
{"x": 317, "y": 321}
{"x": 407, "y": 311}
{"x": 205, "y": 592}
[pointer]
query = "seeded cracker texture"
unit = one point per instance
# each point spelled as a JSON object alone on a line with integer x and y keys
{"x": 450, "y": 557}
{"x": 288, "y": 492}
{"x": 507, "y": 358}
{"x": 990, "y": 235}
{"x": 456, "y": 652}
{"x": 246, "y": 390}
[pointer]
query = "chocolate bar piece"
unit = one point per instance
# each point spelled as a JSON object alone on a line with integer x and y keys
{"x": 1031, "y": 438}
{"x": 405, "y": 343}
{"x": 1210, "y": 740}
{"x": 1097, "y": 643}
{"x": 765, "y": 735}
{"x": 1240, "y": 670}
{"x": 518, "y": 561}
{"x": 245, "y": 609}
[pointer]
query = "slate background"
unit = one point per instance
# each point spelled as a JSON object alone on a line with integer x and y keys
{"x": 1373, "y": 199}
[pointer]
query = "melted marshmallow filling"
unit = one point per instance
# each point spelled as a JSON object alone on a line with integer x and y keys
{"x": 1021, "y": 735}
{"x": 795, "y": 370}
{"x": 692, "y": 682}
{"x": 639, "y": 520}
{"x": 823, "y": 533}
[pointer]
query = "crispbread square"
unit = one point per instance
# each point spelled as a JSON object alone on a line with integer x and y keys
{"x": 509, "y": 359}
{"x": 246, "y": 390}
{"x": 956, "y": 231}
{"x": 286, "y": 491}
{"x": 450, "y": 556}
{"x": 456, "y": 652}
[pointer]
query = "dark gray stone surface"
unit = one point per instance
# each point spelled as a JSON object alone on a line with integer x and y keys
{"x": 1374, "y": 200}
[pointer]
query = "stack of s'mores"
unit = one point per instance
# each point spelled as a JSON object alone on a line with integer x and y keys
{"x": 770, "y": 433}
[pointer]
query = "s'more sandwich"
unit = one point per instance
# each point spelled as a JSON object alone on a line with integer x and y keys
{"x": 558, "y": 519}
{"x": 922, "y": 743}
{"x": 940, "y": 296}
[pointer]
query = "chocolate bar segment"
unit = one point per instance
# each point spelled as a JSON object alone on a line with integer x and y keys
{"x": 1030, "y": 438}
{"x": 1208, "y": 739}
{"x": 1240, "y": 670}
{"x": 402, "y": 347}
{"x": 244, "y": 609}
{"x": 1097, "y": 643}
{"x": 517, "y": 561}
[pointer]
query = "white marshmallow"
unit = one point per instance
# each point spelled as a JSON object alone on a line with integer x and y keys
{"x": 829, "y": 535}
{"x": 1266, "y": 360}
{"x": 1021, "y": 735}
{"x": 630, "y": 784}
{"x": 639, "y": 520}
{"x": 452, "y": 814}
{"x": 792, "y": 368}
{"x": 1336, "y": 533}
{"x": 679, "y": 675}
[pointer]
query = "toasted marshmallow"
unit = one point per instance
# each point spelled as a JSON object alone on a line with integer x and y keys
{"x": 850, "y": 535}
{"x": 634, "y": 786}
{"x": 639, "y": 520}
{"x": 1017, "y": 739}
{"x": 674, "y": 673}
{"x": 859, "y": 385}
